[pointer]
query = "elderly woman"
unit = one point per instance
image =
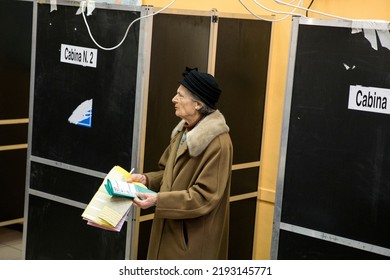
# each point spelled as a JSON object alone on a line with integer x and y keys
{"x": 191, "y": 218}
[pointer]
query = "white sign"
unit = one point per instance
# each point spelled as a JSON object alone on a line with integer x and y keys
{"x": 78, "y": 55}
{"x": 369, "y": 99}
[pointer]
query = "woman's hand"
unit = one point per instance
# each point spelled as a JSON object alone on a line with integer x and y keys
{"x": 145, "y": 200}
{"x": 140, "y": 178}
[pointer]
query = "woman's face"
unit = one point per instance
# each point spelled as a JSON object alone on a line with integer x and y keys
{"x": 185, "y": 106}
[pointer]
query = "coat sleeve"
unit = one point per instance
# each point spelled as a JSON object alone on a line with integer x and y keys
{"x": 211, "y": 184}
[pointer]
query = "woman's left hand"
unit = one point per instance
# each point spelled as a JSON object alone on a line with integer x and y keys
{"x": 147, "y": 200}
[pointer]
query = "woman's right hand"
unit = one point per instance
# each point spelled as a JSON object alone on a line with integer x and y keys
{"x": 140, "y": 178}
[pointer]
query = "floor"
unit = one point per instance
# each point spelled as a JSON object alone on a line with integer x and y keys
{"x": 11, "y": 242}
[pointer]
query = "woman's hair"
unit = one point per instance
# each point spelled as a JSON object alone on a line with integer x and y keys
{"x": 205, "y": 109}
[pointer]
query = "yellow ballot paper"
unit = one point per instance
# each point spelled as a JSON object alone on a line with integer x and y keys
{"x": 105, "y": 211}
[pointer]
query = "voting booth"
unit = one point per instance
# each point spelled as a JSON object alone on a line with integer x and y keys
{"x": 333, "y": 195}
{"x": 92, "y": 109}
{"x": 15, "y": 59}
{"x": 83, "y": 106}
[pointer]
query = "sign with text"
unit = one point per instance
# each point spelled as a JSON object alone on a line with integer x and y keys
{"x": 78, "y": 55}
{"x": 369, "y": 99}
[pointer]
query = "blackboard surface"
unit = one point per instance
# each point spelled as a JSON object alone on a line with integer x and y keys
{"x": 297, "y": 246}
{"x": 15, "y": 56}
{"x": 336, "y": 177}
{"x": 13, "y": 182}
{"x": 242, "y": 229}
{"x": 64, "y": 183}
{"x": 244, "y": 181}
{"x": 61, "y": 87}
{"x": 64, "y": 154}
{"x": 178, "y": 41}
{"x": 56, "y": 231}
{"x": 241, "y": 69}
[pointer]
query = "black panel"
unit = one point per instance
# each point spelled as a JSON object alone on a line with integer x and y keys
{"x": 299, "y": 247}
{"x": 242, "y": 228}
{"x": 64, "y": 183}
{"x": 241, "y": 69}
{"x": 13, "y": 134}
{"x": 13, "y": 178}
{"x": 338, "y": 158}
{"x": 143, "y": 241}
{"x": 57, "y": 231}
{"x": 15, "y": 57}
{"x": 336, "y": 174}
{"x": 178, "y": 41}
{"x": 61, "y": 87}
{"x": 244, "y": 181}
{"x": 147, "y": 211}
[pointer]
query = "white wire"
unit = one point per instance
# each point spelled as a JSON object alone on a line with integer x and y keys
{"x": 312, "y": 11}
{"x": 128, "y": 28}
{"x": 265, "y": 19}
{"x": 292, "y": 13}
{"x": 254, "y": 14}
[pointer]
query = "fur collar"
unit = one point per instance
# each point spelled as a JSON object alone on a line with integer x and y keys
{"x": 203, "y": 133}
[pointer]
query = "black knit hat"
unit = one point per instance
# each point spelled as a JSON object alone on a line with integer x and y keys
{"x": 203, "y": 85}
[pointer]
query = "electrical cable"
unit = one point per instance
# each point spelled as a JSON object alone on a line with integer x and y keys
{"x": 312, "y": 11}
{"x": 82, "y": 6}
{"x": 308, "y": 8}
{"x": 281, "y": 12}
{"x": 266, "y": 19}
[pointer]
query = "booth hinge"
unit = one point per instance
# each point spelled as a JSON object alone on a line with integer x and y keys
{"x": 214, "y": 16}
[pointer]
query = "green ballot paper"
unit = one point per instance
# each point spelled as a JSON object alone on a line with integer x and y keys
{"x": 121, "y": 188}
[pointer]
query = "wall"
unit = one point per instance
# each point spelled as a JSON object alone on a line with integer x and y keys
{"x": 356, "y": 9}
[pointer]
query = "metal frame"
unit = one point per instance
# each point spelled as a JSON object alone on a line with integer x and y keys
{"x": 213, "y": 42}
{"x": 141, "y": 106}
{"x": 139, "y": 120}
{"x": 297, "y": 21}
{"x": 31, "y": 107}
{"x": 284, "y": 139}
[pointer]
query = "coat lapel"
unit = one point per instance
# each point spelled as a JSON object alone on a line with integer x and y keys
{"x": 181, "y": 150}
{"x": 202, "y": 134}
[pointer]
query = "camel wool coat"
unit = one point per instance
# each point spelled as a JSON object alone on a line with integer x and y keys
{"x": 192, "y": 212}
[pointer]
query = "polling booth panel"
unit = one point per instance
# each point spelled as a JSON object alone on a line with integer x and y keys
{"x": 15, "y": 57}
{"x": 125, "y": 97}
{"x": 241, "y": 68}
{"x": 83, "y": 111}
{"x": 333, "y": 192}
{"x": 236, "y": 51}
{"x": 178, "y": 40}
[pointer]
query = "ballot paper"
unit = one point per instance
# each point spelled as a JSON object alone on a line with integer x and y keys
{"x": 106, "y": 211}
{"x": 117, "y": 188}
{"x": 117, "y": 228}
